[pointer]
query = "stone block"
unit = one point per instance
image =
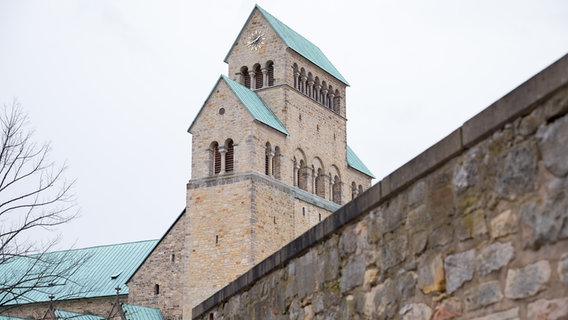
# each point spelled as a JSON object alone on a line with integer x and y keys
{"x": 466, "y": 173}
{"x": 516, "y": 171}
{"x": 380, "y": 301}
{"x": 406, "y": 285}
{"x": 483, "y": 295}
{"x": 347, "y": 242}
{"x": 459, "y": 269}
{"x": 431, "y": 276}
{"x": 471, "y": 225}
{"x": 556, "y": 309}
{"x": 441, "y": 235}
{"x": 563, "y": 269}
{"x": 418, "y": 242}
{"x": 553, "y": 145}
{"x": 416, "y": 311}
{"x": 448, "y": 309}
{"x": 352, "y": 274}
{"x": 503, "y": 224}
{"x": 527, "y": 281}
{"x": 494, "y": 257}
{"x": 393, "y": 252}
{"x": 546, "y": 222}
{"x": 511, "y": 314}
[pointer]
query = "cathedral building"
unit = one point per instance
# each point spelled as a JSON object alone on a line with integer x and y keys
{"x": 269, "y": 161}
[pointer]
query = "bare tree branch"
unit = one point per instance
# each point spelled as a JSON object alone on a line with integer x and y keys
{"x": 33, "y": 195}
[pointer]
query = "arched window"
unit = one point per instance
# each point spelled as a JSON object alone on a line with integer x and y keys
{"x": 336, "y": 102}
{"x": 296, "y": 76}
{"x": 230, "y": 156}
{"x": 336, "y": 189}
{"x": 320, "y": 184}
{"x": 245, "y": 77}
{"x": 270, "y": 73}
{"x": 310, "y": 84}
{"x": 215, "y": 158}
{"x": 303, "y": 79}
{"x": 268, "y": 159}
{"x": 302, "y": 176}
{"x": 257, "y": 77}
{"x": 276, "y": 163}
{"x": 360, "y": 190}
{"x": 353, "y": 190}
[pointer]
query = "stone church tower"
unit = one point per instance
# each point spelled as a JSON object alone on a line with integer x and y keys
{"x": 269, "y": 160}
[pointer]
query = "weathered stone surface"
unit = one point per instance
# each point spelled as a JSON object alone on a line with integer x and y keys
{"x": 494, "y": 257}
{"x": 553, "y": 145}
{"x": 431, "y": 276}
{"x": 483, "y": 295}
{"x": 546, "y": 222}
{"x": 417, "y": 193}
{"x": 516, "y": 171}
{"x": 563, "y": 269}
{"x": 352, "y": 274}
{"x": 448, "y": 309}
{"x": 329, "y": 264}
{"x": 393, "y": 252}
{"x": 419, "y": 240}
{"x": 380, "y": 302}
{"x": 466, "y": 174}
{"x": 542, "y": 309}
{"x": 306, "y": 274}
{"x": 527, "y": 281}
{"x": 370, "y": 276}
{"x": 503, "y": 224}
{"x": 441, "y": 235}
{"x": 416, "y": 311}
{"x": 511, "y": 314}
{"x": 471, "y": 225}
{"x": 347, "y": 242}
{"x": 389, "y": 217}
{"x": 459, "y": 269}
{"x": 406, "y": 285}
{"x": 418, "y": 218}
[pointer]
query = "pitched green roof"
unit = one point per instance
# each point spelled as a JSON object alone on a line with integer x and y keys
{"x": 301, "y": 45}
{"x": 133, "y": 312}
{"x": 354, "y": 162}
{"x": 64, "y": 315}
{"x": 84, "y": 273}
{"x": 252, "y": 102}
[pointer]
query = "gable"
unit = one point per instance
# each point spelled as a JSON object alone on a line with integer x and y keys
{"x": 251, "y": 102}
{"x": 354, "y": 162}
{"x": 296, "y": 42}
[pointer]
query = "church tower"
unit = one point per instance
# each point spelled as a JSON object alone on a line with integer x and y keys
{"x": 269, "y": 161}
{"x": 269, "y": 154}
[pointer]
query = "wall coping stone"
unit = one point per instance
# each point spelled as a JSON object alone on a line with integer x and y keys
{"x": 521, "y": 101}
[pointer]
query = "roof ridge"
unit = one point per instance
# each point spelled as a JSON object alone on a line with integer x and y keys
{"x": 97, "y": 246}
{"x": 255, "y": 105}
{"x": 301, "y": 45}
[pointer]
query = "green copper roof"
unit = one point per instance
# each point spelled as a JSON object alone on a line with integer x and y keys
{"x": 83, "y": 273}
{"x": 301, "y": 45}
{"x": 252, "y": 102}
{"x": 255, "y": 105}
{"x": 354, "y": 162}
{"x": 64, "y": 315}
{"x": 133, "y": 312}
{"x": 11, "y": 318}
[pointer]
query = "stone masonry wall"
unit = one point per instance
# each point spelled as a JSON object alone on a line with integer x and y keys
{"x": 98, "y": 306}
{"x": 475, "y": 227}
{"x": 163, "y": 267}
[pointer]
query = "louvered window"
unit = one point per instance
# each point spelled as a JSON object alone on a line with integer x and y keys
{"x": 229, "y": 157}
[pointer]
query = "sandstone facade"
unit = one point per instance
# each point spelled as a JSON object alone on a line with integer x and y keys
{"x": 476, "y": 227}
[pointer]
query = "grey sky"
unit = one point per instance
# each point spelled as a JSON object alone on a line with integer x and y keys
{"x": 114, "y": 85}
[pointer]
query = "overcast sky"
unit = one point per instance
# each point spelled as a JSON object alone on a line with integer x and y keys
{"x": 114, "y": 85}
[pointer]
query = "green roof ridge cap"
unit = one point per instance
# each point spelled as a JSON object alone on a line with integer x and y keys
{"x": 301, "y": 45}
{"x": 255, "y": 105}
{"x": 355, "y": 162}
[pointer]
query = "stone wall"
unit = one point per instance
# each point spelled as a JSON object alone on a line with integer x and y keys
{"x": 475, "y": 227}
{"x": 98, "y": 305}
{"x": 163, "y": 268}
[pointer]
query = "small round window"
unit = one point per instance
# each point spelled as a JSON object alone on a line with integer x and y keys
{"x": 222, "y": 111}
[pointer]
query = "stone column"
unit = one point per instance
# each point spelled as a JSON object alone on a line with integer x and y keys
{"x": 264, "y": 77}
{"x": 270, "y": 155}
{"x": 324, "y": 99}
{"x": 331, "y": 106}
{"x": 223, "y": 152}
{"x": 304, "y": 82}
{"x": 331, "y": 182}
{"x": 297, "y": 79}
{"x": 311, "y": 88}
{"x": 296, "y": 168}
{"x": 252, "y": 79}
{"x": 318, "y": 89}
{"x": 313, "y": 179}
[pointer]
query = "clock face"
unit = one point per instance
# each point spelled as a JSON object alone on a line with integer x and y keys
{"x": 256, "y": 40}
